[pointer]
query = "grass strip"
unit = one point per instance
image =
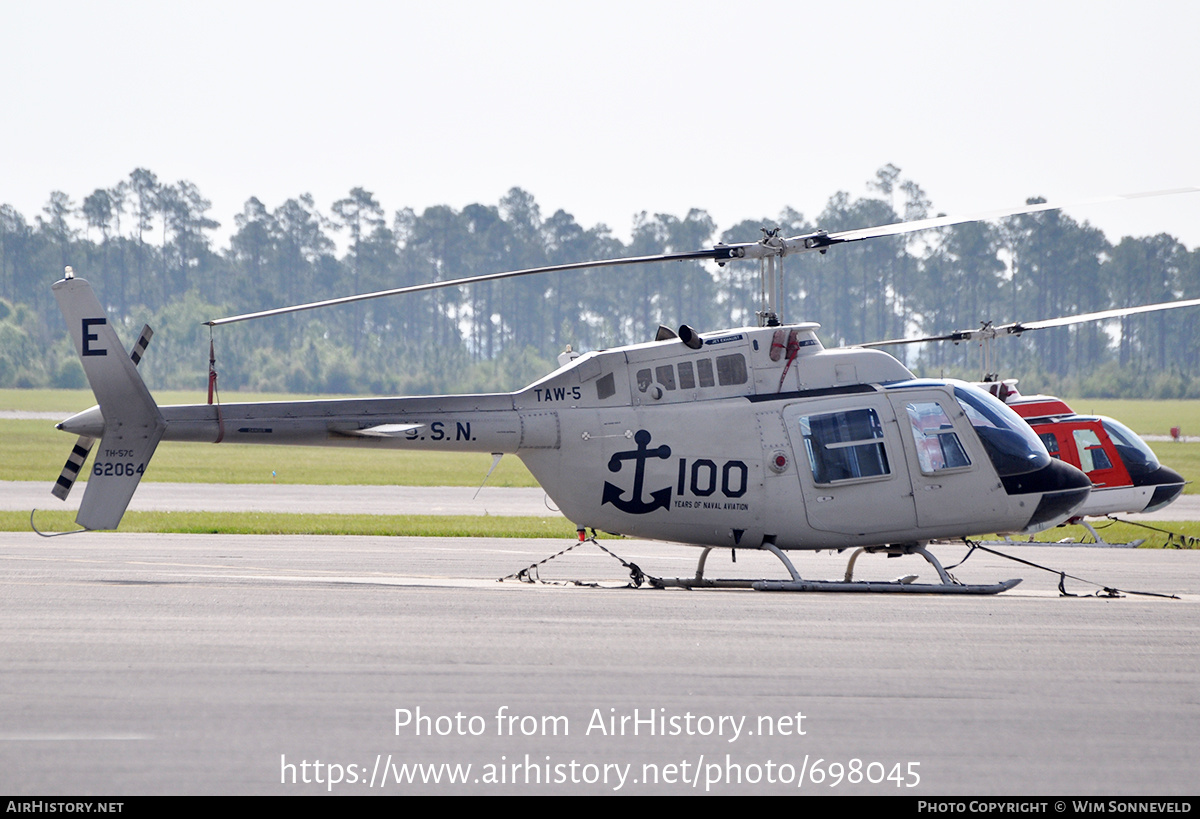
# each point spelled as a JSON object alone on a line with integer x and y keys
{"x": 35, "y": 451}
{"x": 1114, "y": 532}
{"x": 268, "y": 523}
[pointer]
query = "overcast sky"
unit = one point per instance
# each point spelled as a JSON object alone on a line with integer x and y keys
{"x": 610, "y": 108}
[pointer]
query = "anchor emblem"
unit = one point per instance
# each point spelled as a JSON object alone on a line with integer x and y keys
{"x": 635, "y": 505}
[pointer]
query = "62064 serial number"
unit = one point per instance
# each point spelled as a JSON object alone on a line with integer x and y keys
{"x": 118, "y": 468}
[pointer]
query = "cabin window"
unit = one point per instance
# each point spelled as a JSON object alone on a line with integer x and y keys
{"x": 606, "y": 387}
{"x": 731, "y": 369}
{"x": 1051, "y": 442}
{"x": 665, "y": 376}
{"x": 844, "y": 446}
{"x": 938, "y": 446}
{"x": 687, "y": 379}
{"x": 1091, "y": 451}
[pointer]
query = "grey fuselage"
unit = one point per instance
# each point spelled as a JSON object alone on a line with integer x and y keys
{"x": 713, "y": 446}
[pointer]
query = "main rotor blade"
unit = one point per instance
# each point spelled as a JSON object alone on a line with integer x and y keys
{"x": 715, "y": 253}
{"x": 1100, "y": 316}
{"x": 817, "y": 241}
{"x": 899, "y": 228}
{"x": 1018, "y": 327}
{"x": 956, "y": 336}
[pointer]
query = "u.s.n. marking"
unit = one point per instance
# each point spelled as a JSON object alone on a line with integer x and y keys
{"x": 438, "y": 431}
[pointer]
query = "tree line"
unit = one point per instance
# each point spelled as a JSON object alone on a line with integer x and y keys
{"x": 148, "y": 248}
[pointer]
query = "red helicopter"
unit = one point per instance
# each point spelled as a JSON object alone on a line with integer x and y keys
{"x": 1125, "y": 473}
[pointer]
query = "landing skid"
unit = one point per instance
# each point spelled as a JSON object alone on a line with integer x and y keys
{"x": 1098, "y": 541}
{"x": 1133, "y": 544}
{"x": 904, "y": 585}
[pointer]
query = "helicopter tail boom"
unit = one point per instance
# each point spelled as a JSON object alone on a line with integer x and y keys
{"x": 129, "y": 424}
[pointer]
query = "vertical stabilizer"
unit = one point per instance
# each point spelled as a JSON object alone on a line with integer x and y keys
{"x": 132, "y": 423}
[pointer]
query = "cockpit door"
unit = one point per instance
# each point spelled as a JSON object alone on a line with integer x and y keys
{"x": 949, "y": 469}
{"x": 1098, "y": 458}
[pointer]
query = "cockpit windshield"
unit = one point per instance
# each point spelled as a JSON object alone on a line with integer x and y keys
{"x": 1138, "y": 457}
{"x": 1012, "y": 446}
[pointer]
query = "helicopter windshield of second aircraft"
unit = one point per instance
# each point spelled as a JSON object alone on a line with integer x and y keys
{"x": 1139, "y": 458}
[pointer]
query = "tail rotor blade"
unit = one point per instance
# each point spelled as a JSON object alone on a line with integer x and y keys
{"x": 139, "y": 349}
{"x": 70, "y": 470}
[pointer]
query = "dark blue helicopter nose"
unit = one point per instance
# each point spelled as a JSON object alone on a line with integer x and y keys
{"x": 1063, "y": 488}
{"x": 1167, "y": 483}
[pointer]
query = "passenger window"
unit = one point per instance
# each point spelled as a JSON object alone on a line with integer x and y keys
{"x": 605, "y": 387}
{"x": 938, "y": 446}
{"x": 844, "y": 445}
{"x": 705, "y": 371}
{"x": 731, "y": 369}
{"x": 687, "y": 381}
{"x": 1051, "y": 442}
{"x": 666, "y": 376}
{"x": 1091, "y": 451}
{"x": 643, "y": 380}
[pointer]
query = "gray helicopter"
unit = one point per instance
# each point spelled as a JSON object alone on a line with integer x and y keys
{"x": 752, "y": 438}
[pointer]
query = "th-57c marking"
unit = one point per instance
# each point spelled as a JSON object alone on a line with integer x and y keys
{"x": 118, "y": 453}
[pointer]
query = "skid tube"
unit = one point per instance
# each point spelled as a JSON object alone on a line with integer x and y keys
{"x": 904, "y": 585}
{"x": 1098, "y": 541}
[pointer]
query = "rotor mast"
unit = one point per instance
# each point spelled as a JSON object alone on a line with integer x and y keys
{"x": 770, "y": 251}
